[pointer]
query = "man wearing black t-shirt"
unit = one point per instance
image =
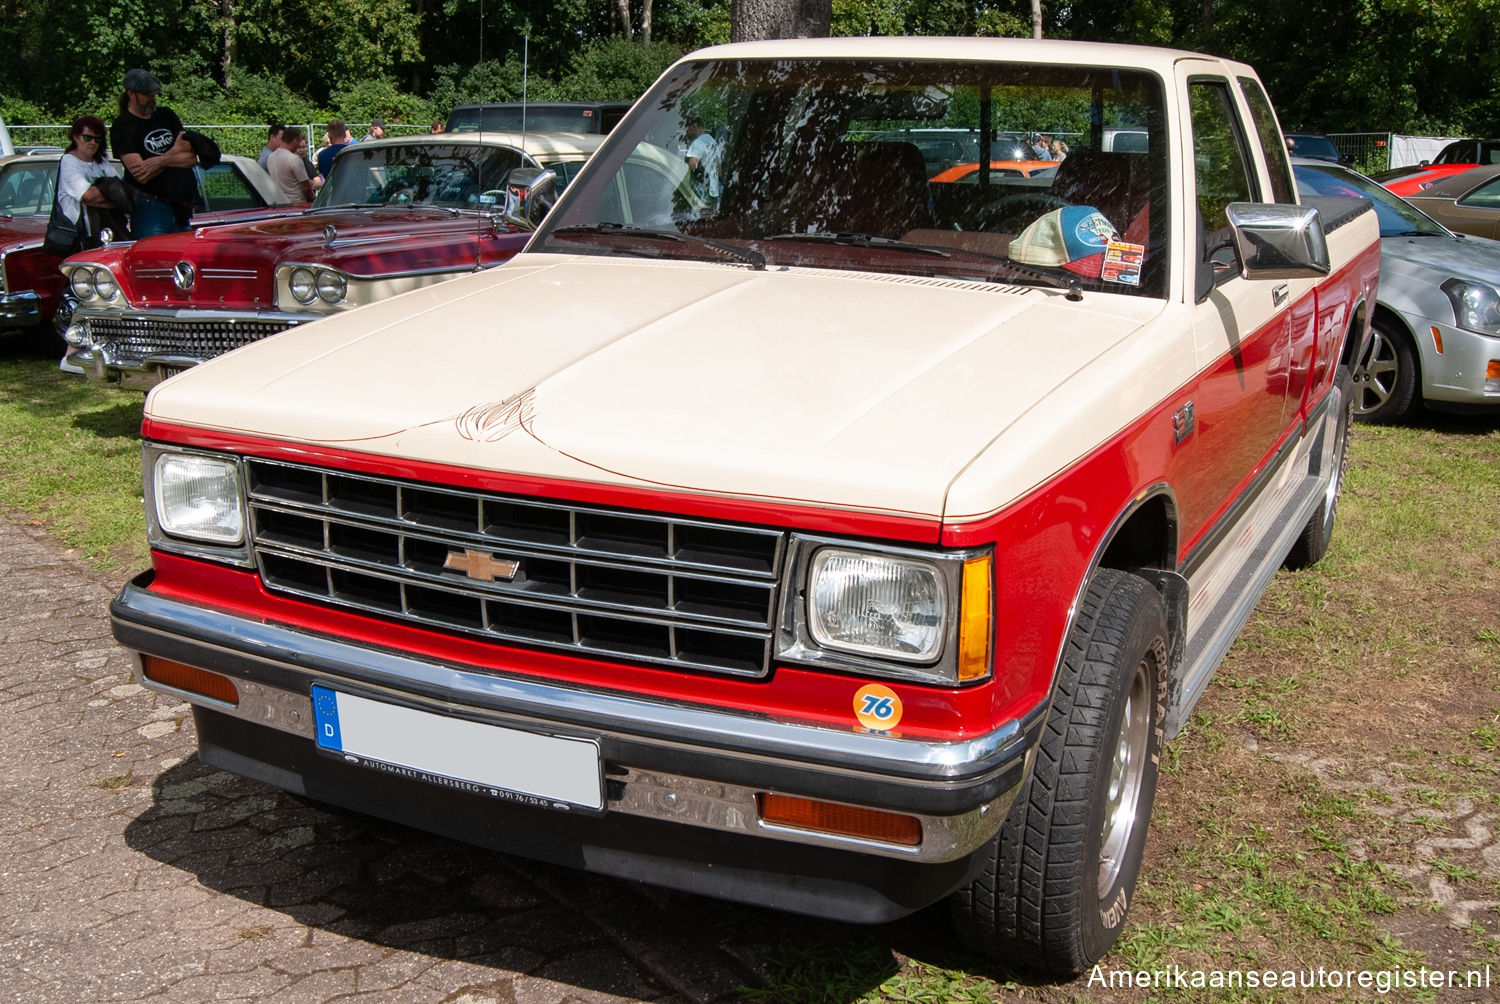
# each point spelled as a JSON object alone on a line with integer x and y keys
{"x": 158, "y": 159}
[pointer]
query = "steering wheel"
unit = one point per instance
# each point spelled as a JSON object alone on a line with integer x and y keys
{"x": 1014, "y": 213}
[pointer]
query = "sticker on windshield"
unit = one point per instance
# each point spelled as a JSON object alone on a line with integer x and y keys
{"x": 1122, "y": 263}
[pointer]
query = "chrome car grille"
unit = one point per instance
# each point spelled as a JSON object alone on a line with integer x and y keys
{"x": 598, "y": 582}
{"x": 131, "y": 340}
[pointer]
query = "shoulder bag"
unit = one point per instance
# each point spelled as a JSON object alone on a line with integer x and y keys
{"x": 62, "y": 237}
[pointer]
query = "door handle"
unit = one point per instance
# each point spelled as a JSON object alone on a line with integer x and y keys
{"x": 1279, "y": 294}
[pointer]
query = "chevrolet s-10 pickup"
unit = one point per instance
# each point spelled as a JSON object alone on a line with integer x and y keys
{"x": 811, "y": 533}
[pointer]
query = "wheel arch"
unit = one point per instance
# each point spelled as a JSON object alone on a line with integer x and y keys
{"x": 1144, "y": 540}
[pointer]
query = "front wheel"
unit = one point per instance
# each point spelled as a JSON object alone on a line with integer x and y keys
{"x": 1385, "y": 377}
{"x": 1057, "y": 880}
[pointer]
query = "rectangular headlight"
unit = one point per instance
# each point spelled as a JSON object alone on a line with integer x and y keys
{"x": 906, "y": 613}
{"x": 198, "y": 498}
{"x": 875, "y": 605}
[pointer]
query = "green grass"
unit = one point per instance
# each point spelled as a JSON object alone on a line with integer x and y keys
{"x": 1385, "y": 656}
{"x": 72, "y": 460}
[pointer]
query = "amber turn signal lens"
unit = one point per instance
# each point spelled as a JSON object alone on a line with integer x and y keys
{"x": 190, "y": 678}
{"x": 974, "y": 619}
{"x": 1437, "y": 339}
{"x": 1492, "y": 371}
{"x": 843, "y": 820}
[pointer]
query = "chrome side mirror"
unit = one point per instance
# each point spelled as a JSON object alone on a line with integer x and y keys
{"x": 1276, "y": 241}
{"x": 530, "y": 193}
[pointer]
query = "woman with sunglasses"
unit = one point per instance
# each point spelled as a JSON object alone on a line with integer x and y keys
{"x": 83, "y": 164}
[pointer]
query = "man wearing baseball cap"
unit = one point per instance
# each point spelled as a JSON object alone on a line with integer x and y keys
{"x": 158, "y": 159}
{"x": 376, "y": 131}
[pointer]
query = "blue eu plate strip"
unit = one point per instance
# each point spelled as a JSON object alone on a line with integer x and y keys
{"x": 326, "y": 714}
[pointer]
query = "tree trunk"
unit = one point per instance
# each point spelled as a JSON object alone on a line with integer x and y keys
{"x": 645, "y": 22}
{"x": 229, "y": 52}
{"x": 755, "y": 19}
{"x": 1036, "y": 18}
{"x": 622, "y": 14}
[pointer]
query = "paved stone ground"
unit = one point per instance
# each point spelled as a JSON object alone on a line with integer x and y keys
{"x": 130, "y": 871}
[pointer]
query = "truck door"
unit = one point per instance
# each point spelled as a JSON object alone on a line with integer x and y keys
{"x": 1241, "y": 328}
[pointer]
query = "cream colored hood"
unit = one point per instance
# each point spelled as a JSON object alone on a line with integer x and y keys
{"x": 842, "y": 389}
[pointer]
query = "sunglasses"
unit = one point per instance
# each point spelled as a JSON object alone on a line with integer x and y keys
{"x": 90, "y": 139}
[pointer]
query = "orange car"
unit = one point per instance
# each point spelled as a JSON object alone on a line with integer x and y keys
{"x": 967, "y": 173}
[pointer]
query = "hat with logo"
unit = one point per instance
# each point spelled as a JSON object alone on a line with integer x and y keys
{"x": 142, "y": 82}
{"x": 1074, "y": 237}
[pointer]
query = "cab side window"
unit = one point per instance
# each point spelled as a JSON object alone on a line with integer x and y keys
{"x": 1223, "y": 176}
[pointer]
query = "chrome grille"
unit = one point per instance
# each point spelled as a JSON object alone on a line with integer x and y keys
{"x": 131, "y": 340}
{"x": 594, "y": 581}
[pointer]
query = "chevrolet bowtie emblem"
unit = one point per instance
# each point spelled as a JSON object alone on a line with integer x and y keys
{"x": 481, "y": 565}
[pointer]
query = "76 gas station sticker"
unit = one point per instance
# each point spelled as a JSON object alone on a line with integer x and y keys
{"x": 877, "y": 707}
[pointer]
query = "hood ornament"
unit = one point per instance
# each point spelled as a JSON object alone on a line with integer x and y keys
{"x": 106, "y": 237}
{"x": 330, "y": 234}
{"x": 183, "y": 275}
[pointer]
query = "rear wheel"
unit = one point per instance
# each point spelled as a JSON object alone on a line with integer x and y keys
{"x": 1332, "y": 461}
{"x": 1057, "y": 881}
{"x": 1385, "y": 377}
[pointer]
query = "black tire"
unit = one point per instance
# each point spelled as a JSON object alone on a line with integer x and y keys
{"x": 1330, "y": 460}
{"x": 1385, "y": 376}
{"x": 1057, "y": 880}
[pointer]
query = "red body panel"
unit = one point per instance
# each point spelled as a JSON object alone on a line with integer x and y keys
{"x": 1420, "y": 181}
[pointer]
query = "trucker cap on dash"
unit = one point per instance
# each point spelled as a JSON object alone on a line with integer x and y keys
{"x": 142, "y": 82}
{"x": 1074, "y": 237}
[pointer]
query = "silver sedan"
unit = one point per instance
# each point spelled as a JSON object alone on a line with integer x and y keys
{"x": 1436, "y": 338}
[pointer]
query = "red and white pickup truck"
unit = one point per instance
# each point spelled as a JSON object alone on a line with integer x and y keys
{"x": 806, "y": 533}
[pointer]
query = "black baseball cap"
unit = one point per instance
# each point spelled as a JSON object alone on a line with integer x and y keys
{"x": 142, "y": 82}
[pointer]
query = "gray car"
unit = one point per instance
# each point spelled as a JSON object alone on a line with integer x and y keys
{"x": 1436, "y": 337}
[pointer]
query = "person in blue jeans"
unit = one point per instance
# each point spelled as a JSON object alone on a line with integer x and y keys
{"x": 158, "y": 159}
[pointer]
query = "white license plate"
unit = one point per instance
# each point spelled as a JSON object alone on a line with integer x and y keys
{"x": 548, "y": 771}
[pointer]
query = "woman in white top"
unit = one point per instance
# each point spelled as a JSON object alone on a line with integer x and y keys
{"x": 79, "y": 167}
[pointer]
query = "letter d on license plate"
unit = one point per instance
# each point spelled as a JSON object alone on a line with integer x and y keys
{"x": 548, "y": 771}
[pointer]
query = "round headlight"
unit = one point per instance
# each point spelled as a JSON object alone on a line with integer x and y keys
{"x": 104, "y": 284}
{"x": 82, "y": 283}
{"x": 331, "y": 286}
{"x": 304, "y": 287}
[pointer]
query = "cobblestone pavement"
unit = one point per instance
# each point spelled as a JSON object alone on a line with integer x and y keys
{"x": 131, "y": 871}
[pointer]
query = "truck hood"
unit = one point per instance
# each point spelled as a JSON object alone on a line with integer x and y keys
{"x": 849, "y": 390}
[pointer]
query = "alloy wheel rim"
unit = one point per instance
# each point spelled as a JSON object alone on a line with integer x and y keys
{"x": 1126, "y": 774}
{"x": 1375, "y": 377}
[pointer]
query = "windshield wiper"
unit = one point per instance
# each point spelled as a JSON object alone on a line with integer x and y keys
{"x": 749, "y": 256}
{"x": 861, "y": 241}
{"x": 1418, "y": 233}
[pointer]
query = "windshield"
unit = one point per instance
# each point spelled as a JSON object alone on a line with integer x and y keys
{"x": 441, "y": 175}
{"x": 850, "y": 164}
{"x": 1315, "y": 146}
{"x": 1397, "y": 217}
{"x": 26, "y": 189}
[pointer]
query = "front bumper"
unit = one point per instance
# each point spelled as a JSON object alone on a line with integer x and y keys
{"x": 1456, "y": 375}
{"x": 20, "y": 310}
{"x": 681, "y": 780}
{"x": 137, "y": 349}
